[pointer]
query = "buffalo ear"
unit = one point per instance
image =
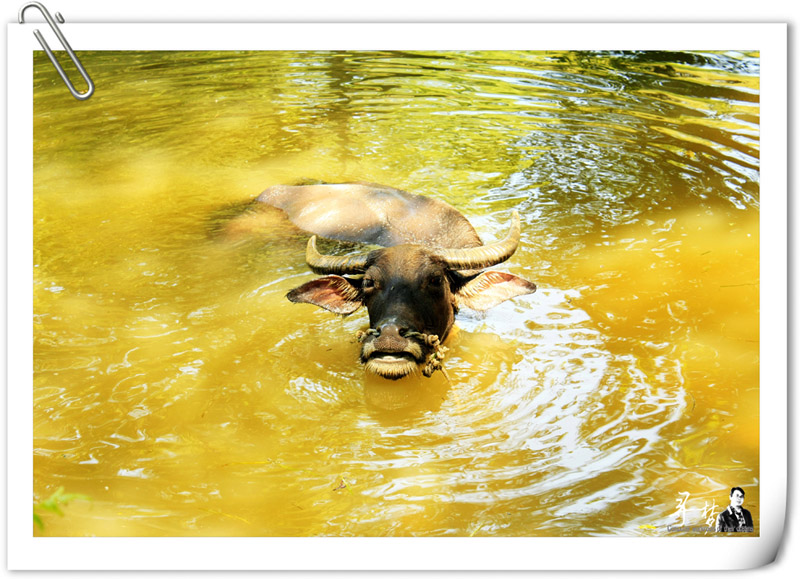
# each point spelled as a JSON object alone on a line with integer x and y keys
{"x": 334, "y": 293}
{"x": 490, "y": 288}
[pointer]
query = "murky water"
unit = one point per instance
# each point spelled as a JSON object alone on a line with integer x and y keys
{"x": 177, "y": 387}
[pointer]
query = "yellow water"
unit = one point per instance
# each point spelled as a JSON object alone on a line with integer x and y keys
{"x": 176, "y": 387}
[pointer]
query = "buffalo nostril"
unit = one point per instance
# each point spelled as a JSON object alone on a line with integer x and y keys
{"x": 390, "y": 339}
{"x": 391, "y": 330}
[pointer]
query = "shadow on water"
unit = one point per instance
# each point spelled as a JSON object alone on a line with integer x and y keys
{"x": 399, "y": 401}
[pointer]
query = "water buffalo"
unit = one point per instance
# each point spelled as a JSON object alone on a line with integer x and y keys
{"x": 429, "y": 266}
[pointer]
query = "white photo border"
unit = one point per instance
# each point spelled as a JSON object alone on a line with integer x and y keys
{"x": 25, "y": 552}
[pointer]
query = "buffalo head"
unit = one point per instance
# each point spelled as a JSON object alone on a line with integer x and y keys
{"x": 412, "y": 294}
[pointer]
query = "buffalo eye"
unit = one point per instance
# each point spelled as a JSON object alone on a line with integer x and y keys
{"x": 367, "y": 283}
{"x": 436, "y": 281}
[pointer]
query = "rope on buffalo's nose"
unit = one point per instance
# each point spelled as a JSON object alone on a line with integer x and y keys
{"x": 434, "y": 359}
{"x": 362, "y": 334}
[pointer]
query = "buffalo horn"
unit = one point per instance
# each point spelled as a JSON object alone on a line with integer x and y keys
{"x": 484, "y": 255}
{"x": 333, "y": 264}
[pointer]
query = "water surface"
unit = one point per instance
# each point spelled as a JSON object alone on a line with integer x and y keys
{"x": 177, "y": 387}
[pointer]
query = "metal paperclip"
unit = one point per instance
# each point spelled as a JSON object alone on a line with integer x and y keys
{"x": 65, "y": 44}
